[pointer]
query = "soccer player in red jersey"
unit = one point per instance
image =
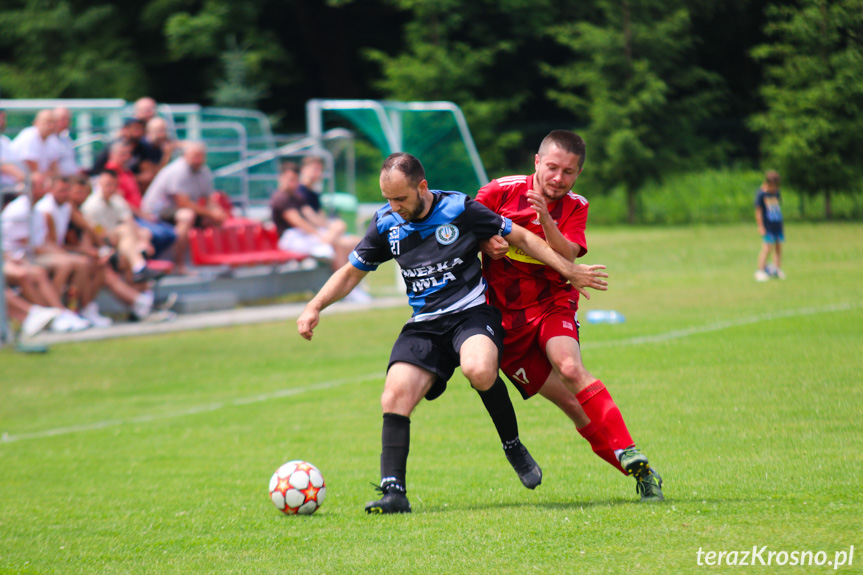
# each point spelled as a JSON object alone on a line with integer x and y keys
{"x": 541, "y": 347}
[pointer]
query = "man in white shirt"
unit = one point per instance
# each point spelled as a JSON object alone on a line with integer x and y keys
{"x": 33, "y": 147}
{"x": 18, "y": 220}
{"x": 86, "y": 274}
{"x": 64, "y": 148}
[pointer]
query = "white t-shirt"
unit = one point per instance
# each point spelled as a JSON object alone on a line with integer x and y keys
{"x": 29, "y": 146}
{"x": 106, "y": 215}
{"x": 64, "y": 150}
{"x": 16, "y": 227}
{"x": 60, "y": 214}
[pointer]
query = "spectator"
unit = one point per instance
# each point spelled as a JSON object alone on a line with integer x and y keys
{"x": 11, "y": 175}
{"x": 64, "y": 148}
{"x": 183, "y": 195}
{"x": 160, "y": 141}
{"x": 109, "y": 217}
{"x": 109, "y": 225}
{"x": 33, "y": 146}
{"x": 142, "y": 162}
{"x": 85, "y": 272}
{"x": 300, "y": 228}
{"x": 17, "y": 221}
{"x": 119, "y": 158}
{"x": 311, "y": 174}
{"x": 145, "y": 109}
{"x": 33, "y": 318}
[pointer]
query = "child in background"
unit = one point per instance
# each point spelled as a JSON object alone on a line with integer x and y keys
{"x": 768, "y": 216}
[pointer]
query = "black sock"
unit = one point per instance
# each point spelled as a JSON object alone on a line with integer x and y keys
{"x": 499, "y": 407}
{"x": 395, "y": 445}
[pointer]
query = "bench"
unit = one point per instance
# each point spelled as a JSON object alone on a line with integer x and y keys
{"x": 238, "y": 243}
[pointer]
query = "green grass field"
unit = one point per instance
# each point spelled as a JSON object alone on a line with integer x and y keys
{"x": 153, "y": 455}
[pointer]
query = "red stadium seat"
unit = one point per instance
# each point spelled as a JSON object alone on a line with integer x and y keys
{"x": 240, "y": 244}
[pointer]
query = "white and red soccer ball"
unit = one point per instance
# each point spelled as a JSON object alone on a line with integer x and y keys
{"x": 297, "y": 488}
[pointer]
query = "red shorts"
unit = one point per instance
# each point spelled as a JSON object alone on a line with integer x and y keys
{"x": 524, "y": 361}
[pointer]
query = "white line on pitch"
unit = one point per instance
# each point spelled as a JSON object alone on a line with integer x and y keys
{"x": 6, "y": 438}
{"x": 658, "y": 338}
{"x": 720, "y": 325}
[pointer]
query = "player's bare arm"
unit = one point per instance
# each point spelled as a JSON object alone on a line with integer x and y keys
{"x": 580, "y": 276}
{"x": 338, "y": 286}
{"x": 555, "y": 239}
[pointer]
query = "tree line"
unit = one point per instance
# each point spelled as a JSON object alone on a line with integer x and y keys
{"x": 655, "y": 86}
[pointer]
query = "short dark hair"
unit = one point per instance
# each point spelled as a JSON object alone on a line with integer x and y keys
{"x": 289, "y": 167}
{"x": 566, "y": 141}
{"x": 130, "y": 121}
{"x": 772, "y": 177}
{"x": 408, "y": 165}
{"x": 110, "y": 172}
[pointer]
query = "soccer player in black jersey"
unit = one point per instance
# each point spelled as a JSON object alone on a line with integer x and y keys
{"x": 434, "y": 236}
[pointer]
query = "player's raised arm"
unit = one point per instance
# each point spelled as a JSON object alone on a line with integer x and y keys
{"x": 580, "y": 276}
{"x": 338, "y": 286}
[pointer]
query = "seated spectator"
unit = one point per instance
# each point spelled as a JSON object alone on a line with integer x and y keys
{"x": 304, "y": 231}
{"x": 67, "y": 164}
{"x": 11, "y": 174}
{"x": 161, "y": 142}
{"x": 311, "y": 175}
{"x": 109, "y": 217}
{"x": 118, "y": 160}
{"x": 17, "y": 220}
{"x": 182, "y": 194}
{"x": 33, "y": 318}
{"x": 143, "y": 161}
{"x": 81, "y": 271}
{"x": 108, "y": 224}
{"x": 33, "y": 147}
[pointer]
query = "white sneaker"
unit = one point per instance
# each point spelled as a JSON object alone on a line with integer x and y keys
{"x": 68, "y": 321}
{"x": 160, "y": 316}
{"x": 38, "y": 319}
{"x": 761, "y": 276}
{"x": 143, "y": 305}
{"x": 91, "y": 314}
{"x": 780, "y": 274}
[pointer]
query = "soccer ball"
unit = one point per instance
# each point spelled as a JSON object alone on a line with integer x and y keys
{"x": 297, "y": 488}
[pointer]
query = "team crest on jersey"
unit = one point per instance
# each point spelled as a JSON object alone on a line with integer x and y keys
{"x": 446, "y": 234}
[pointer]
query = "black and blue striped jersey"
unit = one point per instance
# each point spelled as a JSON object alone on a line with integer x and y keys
{"x": 437, "y": 255}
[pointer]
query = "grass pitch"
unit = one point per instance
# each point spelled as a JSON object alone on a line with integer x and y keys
{"x": 152, "y": 455}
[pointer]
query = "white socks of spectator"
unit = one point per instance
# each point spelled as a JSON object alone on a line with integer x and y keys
{"x": 143, "y": 304}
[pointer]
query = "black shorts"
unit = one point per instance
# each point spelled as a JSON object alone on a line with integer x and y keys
{"x": 434, "y": 345}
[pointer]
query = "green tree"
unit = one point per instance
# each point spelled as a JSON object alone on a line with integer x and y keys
{"x": 476, "y": 54}
{"x": 56, "y": 49}
{"x": 813, "y": 125}
{"x": 632, "y": 78}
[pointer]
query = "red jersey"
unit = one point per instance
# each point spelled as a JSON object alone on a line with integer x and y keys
{"x": 127, "y": 184}
{"x": 520, "y": 286}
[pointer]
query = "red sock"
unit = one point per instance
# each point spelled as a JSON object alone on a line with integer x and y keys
{"x": 601, "y": 410}
{"x": 596, "y": 437}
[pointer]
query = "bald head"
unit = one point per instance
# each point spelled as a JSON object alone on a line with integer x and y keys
{"x": 62, "y": 119}
{"x": 157, "y": 130}
{"x": 145, "y": 108}
{"x": 44, "y": 122}
{"x": 195, "y": 154}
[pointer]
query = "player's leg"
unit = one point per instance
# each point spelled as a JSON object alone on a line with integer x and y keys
{"x": 559, "y": 394}
{"x": 565, "y": 356}
{"x": 479, "y": 342}
{"x": 405, "y": 386}
{"x": 761, "y": 271}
